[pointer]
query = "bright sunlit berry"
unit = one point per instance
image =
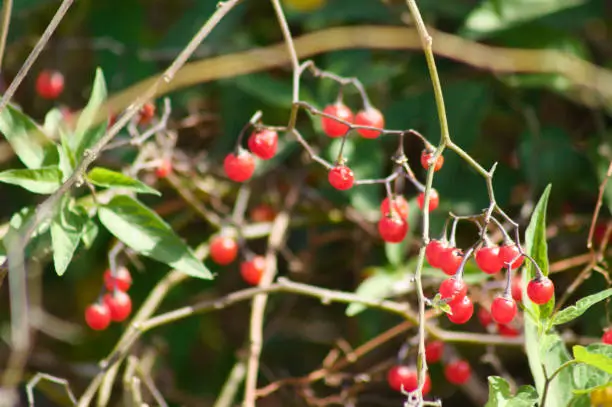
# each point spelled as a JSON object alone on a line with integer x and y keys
{"x": 223, "y": 250}
{"x": 540, "y": 291}
{"x": 406, "y": 378}
{"x": 400, "y": 206}
{"x": 461, "y": 311}
{"x": 392, "y": 229}
{"x": 240, "y": 167}
{"x": 341, "y": 177}
{"x": 121, "y": 281}
{"x": 120, "y": 305}
{"x": 49, "y": 84}
{"x": 488, "y": 260}
{"x": 333, "y": 128}
{"x": 433, "y": 252}
{"x": 252, "y": 270}
{"x": 503, "y": 310}
{"x": 434, "y": 200}
{"x": 453, "y": 290}
{"x": 509, "y": 252}
{"x": 263, "y": 143}
{"x": 370, "y": 117}
{"x": 450, "y": 260}
{"x": 427, "y": 160}
{"x": 97, "y": 316}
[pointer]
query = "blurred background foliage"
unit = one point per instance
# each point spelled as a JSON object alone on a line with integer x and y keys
{"x": 526, "y": 122}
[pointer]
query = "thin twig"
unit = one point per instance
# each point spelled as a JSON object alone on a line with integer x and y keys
{"x": 7, "y": 7}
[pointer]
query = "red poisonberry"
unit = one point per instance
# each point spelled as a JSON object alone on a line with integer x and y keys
{"x": 164, "y": 169}
{"x": 333, "y": 128}
{"x": 517, "y": 288}
{"x": 433, "y": 252}
{"x": 252, "y": 270}
{"x": 453, "y": 290}
{"x": 450, "y": 260}
{"x": 484, "y": 317}
{"x": 119, "y": 304}
{"x": 263, "y": 143}
{"x": 458, "y": 372}
{"x": 49, "y": 84}
{"x": 121, "y": 281}
{"x": 239, "y": 167}
{"x": 370, "y": 117}
{"x": 509, "y": 252}
{"x": 341, "y": 177}
{"x": 434, "y": 351}
{"x": 461, "y": 311}
{"x": 434, "y": 200}
{"x": 407, "y": 379}
{"x": 427, "y": 160}
{"x": 400, "y": 206}
{"x": 223, "y": 250}
{"x": 488, "y": 260}
{"x": 540, "y": 290}
{"x": 262, "y": 213}
{"x": 503, "y": 310}
{"x": 97, "y": 316}
{"x": 146, "y": 113}
{"x": 507, "y": 330}
{"x": 392, "y": 229}
{"x": 607, "y": 337}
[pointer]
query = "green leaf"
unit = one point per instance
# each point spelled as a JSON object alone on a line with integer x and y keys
{"x": 24, "y": 135}
{"x": 598, "y": 360}
{"x": 537, "y": 248}
{"x": 90, "y": 232}
{"x": 570, "y": 313}
{"x": 106, "y": 178}
{"x": 53, "y": 122}
{"x": 145, "y": 232}
{"x": 588, "y": 377}
{"x": 44, "y": 180}
{"x": 501, "y": 396}
{"x": 376, "y": 287}
{"x": 85, "y": 136}
{"x": 67, "y": 228}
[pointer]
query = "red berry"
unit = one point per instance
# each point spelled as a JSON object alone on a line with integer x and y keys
{"x": 517, "y": 288}
{"x": 433, "y": 252}
{"x": 453, "y": 290}
{"x": 434, "y": 200}
{"x": 433, "y": 351}
{"x": 97, "y": 316}
{"x": 239, "y": 167}
{"x": 450, "y": 260}
{"x": 392, "y": 229}
{"x": 407, "y": 378}
{"x": 400, "y": 206}
{"x": 540, "y": 291}
{"x": 334, "y": 128}
{"x": 164, "y": 169}
{"x": 146, "y": 113}
{"x": 509, "y": 252}
{"x": 253, "y": 269}
{"x": 427, "y": 160}
{"x": 223, "y": 250}
{"x": 120, "y": 305}
{"x": 503, "y": 310}
{"x": 50, "y": 84}
{"x": 341, "y": 177}
{"x": 607, "y": 336}
{"x": 263, "y": 143}
{"x": 370, "y": 117}
{"x": 122, "y": 281}
{"x": 458, "y": 372}
{"x": 484, "y": 317}
{"x": 461, "y": 311}
{"x": 262, "y": 213}
{"x": 487, "y": 258}
{"x": 507, "y": 330}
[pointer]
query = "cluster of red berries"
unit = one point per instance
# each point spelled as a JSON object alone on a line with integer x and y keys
{"x": 457, "y": 372}
{"x": 49, "y": 84}
{"x": 115, "y": 305}
{"x": 490, "y": 259}
{"x": 239, "y": 166}
{"x": 224, "y": 250}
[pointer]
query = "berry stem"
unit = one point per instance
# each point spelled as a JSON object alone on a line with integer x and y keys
{"x": 459, "y": 274}
{"x": 452, "y": 241}
{"x": 508, "y": 288}
{"x": 539, "y": 274}
{"x": 410, "y": 176}
{"x": 254, "y": 119}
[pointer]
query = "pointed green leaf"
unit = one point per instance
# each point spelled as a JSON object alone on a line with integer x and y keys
{"x": 501, "y": 396}
{"x": 90, "y": 232}
{"x": 588, "y": 377}
{"x": 86, "y": 135}
{"x": 570, "y": 313}
{"x": 53, "y": 121}
{"x": 24, "y": 135}
{"x": 67, "y": 228}
{"x": 599, "y": 360}
{"x": 106, "y": 178}
{"x": 145, "y": 232}
{"x": 44, "y": 180}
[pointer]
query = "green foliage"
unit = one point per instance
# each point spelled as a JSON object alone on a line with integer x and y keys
{"x": 86, "y": 135}
{"x": 67, "y": 229}
{"x": 501, "y": 396}
{"x": 599, "y": 360}
{"x": 103, "y": 177}
{"x": 587, "y": 376}
{"x": 145, "y": 232}
{"x": 45, "y": 180}
{"x": 572, "y": 312}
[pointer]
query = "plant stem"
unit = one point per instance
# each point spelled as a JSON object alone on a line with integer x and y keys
{"x": 6, "y": 21}
{"x": 550, "y": 379}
